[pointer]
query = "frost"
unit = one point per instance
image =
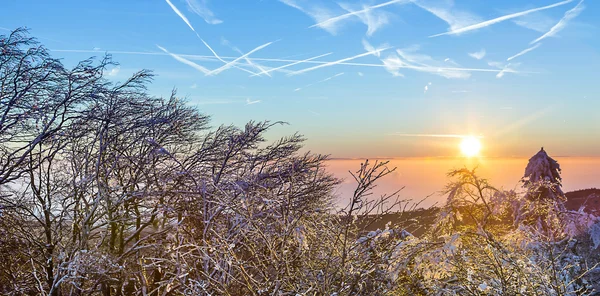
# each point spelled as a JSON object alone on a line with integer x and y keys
{"x": 595, "y": 234}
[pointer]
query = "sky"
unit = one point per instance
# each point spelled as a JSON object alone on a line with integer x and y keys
{"x": 399, "y": 78}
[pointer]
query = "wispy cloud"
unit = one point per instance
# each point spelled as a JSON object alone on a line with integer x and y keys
{"x": 396, "y": 64}
{"x": 315, "y": 11}
{"x": 569, "y": 15}
{"x": 537, "y": 21}
{"x": 220, "y": 59}
{"x": 335, "y": 62}
{"x": 410, "y": 58}
{"x": 376, "y": 51}
{"x": 446, "y": 11}
{"x": 4, "y": 29}
{"x": 114, "y": 71}
{"x": 393, "y": 64}
{"x": 504, "y": 68}
{"x": 478, "y": 55}
{"x": 427, "y": 87}
{"x": 524, "y": 52}
{"x": 248, "y": 60}
{"x": 185, "y": 61}
{"x": 360, "y": 74}
{"x": 232, "y": 63}
{"x": 314, "y": 113}
{"x": 325, "y": 19}
{"x": 294, "y": 63}
{"x": 253, "y": 64}
{"x": 181, "y": 15}
{"x": 249, "y": 102}
{"x": 366, "y": 14}
{"x": 201, "y": 8}
{"x": 487, "y": 23}
{"x": 320, "y": 81}
{"x": 434, "y": 135}
{"x": 194, "y": 86}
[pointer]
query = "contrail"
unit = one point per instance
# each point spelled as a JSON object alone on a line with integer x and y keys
{"x": 185, "y": 61}
{"x": 230, "y": 64}
{"x": 336, "y": 62}
{"x": 343, "y": 16}
{"x": 181, "y": 16}
{"x": 220, "y": 59}
{"x": 212, "y": 58}
{"x": 569, "y": 15}
{"x": 294, "y": 63}
{"x": 501, "y": 19}
{"x": 524, "y": 52}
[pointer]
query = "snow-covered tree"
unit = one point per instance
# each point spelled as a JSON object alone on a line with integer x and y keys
{"x": 542, "y": 177}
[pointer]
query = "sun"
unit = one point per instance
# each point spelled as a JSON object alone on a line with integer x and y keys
{"x": 470, "y": 146}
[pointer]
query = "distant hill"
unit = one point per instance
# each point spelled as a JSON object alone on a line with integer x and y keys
{"x": 589, "y": 198}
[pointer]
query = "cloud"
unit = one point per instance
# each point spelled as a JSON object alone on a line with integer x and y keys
{"x": 360, "y": 74}
{"x": 446, "y": 11}
{"x": 249, "y": 102}
{"x": 194, "y": 86}
{"x": 220, "y": 59}
{"x": 181, "y": 15}
{"x": 487, "y": 23}
{"x": 325, "y": 17}
{"x": 114, "y": 71}
{"x": 562, "y": 23}
{"x": 478, "y": 55}
{"x": 427, "y": 87}
{"x": 391, "y": 63}
{"x": 96, "y": 48}
{"x": 232, "y": 63}
{"x": 4, "y": 29}
{"x": 569, "y": 15}
{"x": 508, "y": 68}
{"x": 523, "y": 52}
{"x": 313, "y": 112}
{"x": 318, "y": 13}
{"x": 376, "y": 51}
{"x": 536, "y": 21}
{"x": 372, "y": 19}
{"x": 294, "y": 63}
{"x": 185, "y": 61}
{"x": 200, "y": 7}
{"x": 335, "y": 62}
{"x": 248, "y": 60}
{"x": 409, "y": 57}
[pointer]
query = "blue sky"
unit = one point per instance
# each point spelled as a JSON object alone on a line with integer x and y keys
{"x": 358, "y": 78}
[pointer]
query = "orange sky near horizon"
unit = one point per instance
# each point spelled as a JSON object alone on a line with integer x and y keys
{"x": 422, "y": 177}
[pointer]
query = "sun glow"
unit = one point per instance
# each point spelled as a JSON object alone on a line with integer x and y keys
{"x": 470, "y": 146}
